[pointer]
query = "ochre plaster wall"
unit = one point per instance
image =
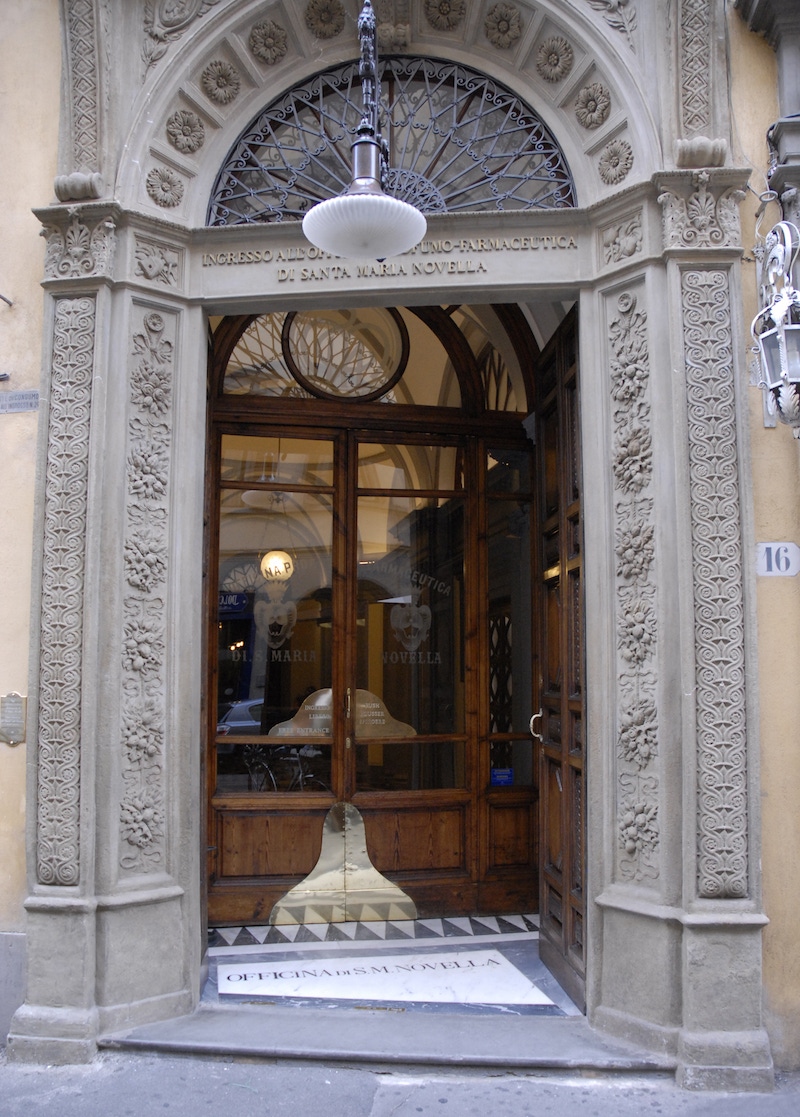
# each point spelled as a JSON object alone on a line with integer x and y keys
{"x": 30, "y": 48}
{"x": 776, "y": 498}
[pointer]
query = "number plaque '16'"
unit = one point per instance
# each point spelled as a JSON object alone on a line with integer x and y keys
{"x": 781, "y": 560}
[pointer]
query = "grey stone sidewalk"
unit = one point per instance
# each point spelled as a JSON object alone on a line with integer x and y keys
{"x": 128, "y": 1085}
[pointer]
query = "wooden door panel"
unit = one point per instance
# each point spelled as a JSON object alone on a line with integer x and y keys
{"x": 259, "y": 843}
{"x": 511, "y": 836}
{"x": 561, "y": 755}
{"x": 429, "y": 838}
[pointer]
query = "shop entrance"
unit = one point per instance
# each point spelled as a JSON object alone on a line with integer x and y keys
{"x": 386, "y": 528}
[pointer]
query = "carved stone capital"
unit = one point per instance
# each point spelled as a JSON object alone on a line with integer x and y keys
{"x": 701, "y": 210}
{"x": 80, "y": 241}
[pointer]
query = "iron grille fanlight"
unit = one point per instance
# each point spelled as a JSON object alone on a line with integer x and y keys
{"x": 458, "y": 141}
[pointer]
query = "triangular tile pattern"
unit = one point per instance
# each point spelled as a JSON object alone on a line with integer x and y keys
{"x": 387, "y": 929}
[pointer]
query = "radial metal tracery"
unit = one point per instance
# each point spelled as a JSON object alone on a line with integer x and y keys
{"x": 458, "y": 141}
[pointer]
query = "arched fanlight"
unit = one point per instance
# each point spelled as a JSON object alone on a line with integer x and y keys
{"x": 364, "y": 221}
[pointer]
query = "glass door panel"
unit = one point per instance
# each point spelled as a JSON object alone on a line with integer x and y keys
{"x": 410, "y": 665}
{"x": 275, "y": 617}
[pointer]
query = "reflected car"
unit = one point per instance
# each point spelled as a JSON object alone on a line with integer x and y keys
{"x": 241, "y": 718}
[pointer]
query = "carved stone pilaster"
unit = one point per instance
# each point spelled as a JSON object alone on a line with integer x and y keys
{"x": 59, "y": 732}
{"x": 143, "y": 810}
{"x": 637, "y": 626}
{"x": 722, "y": 806}
{"x": 82, "y": 61}
{"x": 696, "y": 22}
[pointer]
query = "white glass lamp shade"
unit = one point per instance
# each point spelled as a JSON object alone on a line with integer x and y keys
{"x": 277, "y": 566}
{"x": 364, "y": 226}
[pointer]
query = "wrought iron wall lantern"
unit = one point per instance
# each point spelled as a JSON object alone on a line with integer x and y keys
{"x": 364, "y": 221}
{"x": 776, "y": 327}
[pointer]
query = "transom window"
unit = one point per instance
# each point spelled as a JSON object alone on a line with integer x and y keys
{"x": 458, "y": 141}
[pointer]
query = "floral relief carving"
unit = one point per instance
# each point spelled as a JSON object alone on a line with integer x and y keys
{"x": 268, "y": 42}
{"x": 637, "y": 622}
{"x": 554, "y": 58}
{"x": 58, "y": 759}
{"x": 146, "y": 559}
{"x": 164, "y": 186}
{"x": 445, "y": 15}
{"x": 80, "y": 249}
{"x": 701, "y": 220}
{"x": 592, "y": 105}
{"x": 618, "y": 14}
{"x": 720, "y": 696}
{"x": 166, "y": 20}
{"x": 151, "y": 385}
{"x": 157, "y": 262}
{"x": 143, "y": 733}
{"x": 616, "y": 160}
{"x": 186, "y": 131}
{"x": 221, "y": 82}
{"x": 325, "y": 18}
{"x": 622, "y": 241}
{"x": 503, "y": 25}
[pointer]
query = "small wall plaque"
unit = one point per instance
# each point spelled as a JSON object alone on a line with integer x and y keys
{"x": 11, "y": 402}
{"x": 13, "y": 712}
{"x": 777, "y": 560}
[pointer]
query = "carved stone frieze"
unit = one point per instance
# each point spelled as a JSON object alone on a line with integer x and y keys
{"x": 637, "y": 620}
{"x": 81, "y": 247}
{"x": 705, "y": 217}
{"x": 61, "y": 653}
{"x": 622, "y": 240}
{"x": 619, "y": 14}
{"x": 165, "y": 21}
{"x": 722, "y": 807}
{"x": 142, "y": 653}
{"x": 157, "y": 262}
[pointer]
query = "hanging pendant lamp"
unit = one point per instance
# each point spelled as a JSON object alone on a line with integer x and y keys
{"x": 365, "y": 222}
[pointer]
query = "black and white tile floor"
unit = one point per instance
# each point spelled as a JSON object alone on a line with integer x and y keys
{"x": 421, "y": 965}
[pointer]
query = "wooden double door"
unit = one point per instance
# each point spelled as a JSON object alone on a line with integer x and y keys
{"x": 390, "y": 610}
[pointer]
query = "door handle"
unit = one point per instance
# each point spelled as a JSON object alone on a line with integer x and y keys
{"x": 533, "y": 721}
{"x": 347, "y": 704}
